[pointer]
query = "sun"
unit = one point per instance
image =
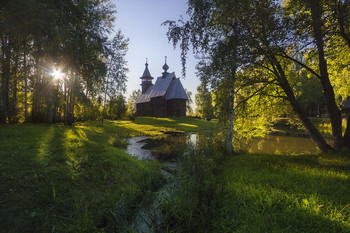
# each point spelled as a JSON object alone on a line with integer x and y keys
{"x": 57, "y": 74}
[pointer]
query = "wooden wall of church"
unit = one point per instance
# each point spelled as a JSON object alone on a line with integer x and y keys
{"x": 176, "y": 107}
{"x": 144, "y": 109}
{"x": 158, "y": 107}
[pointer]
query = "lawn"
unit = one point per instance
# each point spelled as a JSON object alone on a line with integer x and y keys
{"x": 56, "y": 178}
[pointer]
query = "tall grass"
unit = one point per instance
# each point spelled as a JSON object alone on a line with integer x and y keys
{"x": 260, "y": 193}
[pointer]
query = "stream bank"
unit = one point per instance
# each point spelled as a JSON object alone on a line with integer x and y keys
{"x": 168, "y": 150}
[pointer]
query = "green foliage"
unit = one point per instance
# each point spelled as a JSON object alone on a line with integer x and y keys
{"x": 42, "y": 37}
{"x": 115, "y": 79}
{"x": 271, "y": 55}
{"x": 307, "y": 87}
{"x": 131, "y": 109}
{"x": 203, "y": 102}
{"x": 189, "y": 110}
{"x": 116, "y": 107}
{"x": 339, "y": 67}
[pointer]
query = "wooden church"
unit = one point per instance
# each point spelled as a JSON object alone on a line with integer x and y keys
{"x": 165, "y": 98}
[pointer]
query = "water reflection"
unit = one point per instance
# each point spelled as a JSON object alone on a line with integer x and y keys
{"x": 283, "y": 145}
{"x": 167, "y": 147}
{"x": 135, "y": 148}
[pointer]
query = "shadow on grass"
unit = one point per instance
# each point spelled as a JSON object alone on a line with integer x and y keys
{"x": 67, "y": 179}
{"x": 29, "y": 173}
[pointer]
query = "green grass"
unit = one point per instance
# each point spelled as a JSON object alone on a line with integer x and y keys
{"x": 56, "y": 178}
{"x": 154, "y": 126}
{"x": 260, "y": 193}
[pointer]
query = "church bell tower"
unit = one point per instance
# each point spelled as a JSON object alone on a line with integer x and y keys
{"x": 146, "y": 79}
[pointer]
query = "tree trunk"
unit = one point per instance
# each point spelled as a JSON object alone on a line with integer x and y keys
{"x": 2, "y": 83}
{"x": 25, "y": 83}
{"x": 230, "y": 127}
{"x": 69, "y": 110}
{"x": 346, "y": 138}
{"x": 49, "y": 101}
{"x": 36, "y": 102}
{"x": 309, "y": 127}
{"x": 104, "y": 103}
{"x": 5, "y": 80}
{"x": 333, "y": 110}
{"x": 65, "y": 102}
{"x": 70, "y": 114}
{"x": 73, "y": 105}
{"x": 13, "y": 103}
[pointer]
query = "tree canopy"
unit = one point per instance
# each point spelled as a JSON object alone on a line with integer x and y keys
{"x": 55, "y": 57}
{"x": 281, "y": 49}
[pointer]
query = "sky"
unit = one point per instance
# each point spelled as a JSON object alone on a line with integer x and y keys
{"x": 140, "y": 21}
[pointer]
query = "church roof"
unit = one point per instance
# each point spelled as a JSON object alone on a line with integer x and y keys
{"x": 146, "y": 73}
{"x": 161, "y": 85}
{"x": 170, "y": 87}
{"x": 176, "y": 90}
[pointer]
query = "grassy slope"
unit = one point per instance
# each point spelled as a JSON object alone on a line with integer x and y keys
{"x": 76, "y": 179}
{"x": 262, "y": 193}
{"x": 289, "y": 193}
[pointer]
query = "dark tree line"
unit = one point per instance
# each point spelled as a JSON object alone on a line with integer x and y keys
{"x": 54, "y": 59}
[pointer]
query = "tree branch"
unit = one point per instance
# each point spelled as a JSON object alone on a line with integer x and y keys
{"x": 251, "y": 96}
{"x": 301, "y": 64}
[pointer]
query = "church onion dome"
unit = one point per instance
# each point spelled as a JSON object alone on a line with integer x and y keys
{"x": 165, "y": 67}
{"x": 146, "y": 73}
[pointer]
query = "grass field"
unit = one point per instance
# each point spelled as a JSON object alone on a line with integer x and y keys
{"x": 260, "y": 193}
{"x": 56, "y": 178}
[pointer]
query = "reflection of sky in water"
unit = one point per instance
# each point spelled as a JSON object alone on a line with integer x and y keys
{"x": 134, "y": 148}
{"x": 193, "y": 139}
{"x": 270, "y": 144}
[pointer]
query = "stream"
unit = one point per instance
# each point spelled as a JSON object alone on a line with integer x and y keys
{"x": 142, "y": 147}
{"x": 168, "y": 148}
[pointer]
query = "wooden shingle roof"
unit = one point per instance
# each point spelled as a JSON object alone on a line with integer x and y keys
{"x": 168, "y": 87}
